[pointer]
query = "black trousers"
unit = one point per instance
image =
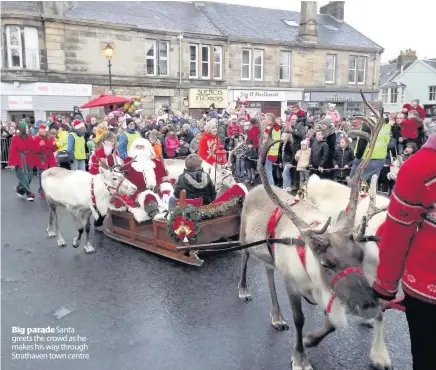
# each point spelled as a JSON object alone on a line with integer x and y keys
{"x": 421, "y": 317}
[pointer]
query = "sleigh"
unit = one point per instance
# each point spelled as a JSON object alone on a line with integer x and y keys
{"x": 153, "y": 236}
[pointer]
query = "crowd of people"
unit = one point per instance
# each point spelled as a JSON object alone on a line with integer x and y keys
{"x": 306, "y": 146}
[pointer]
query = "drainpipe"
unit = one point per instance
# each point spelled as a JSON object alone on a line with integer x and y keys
{"x": 373, "y": 75}
{"x": 180, "y": 37}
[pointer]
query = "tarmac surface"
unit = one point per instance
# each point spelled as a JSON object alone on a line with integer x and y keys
{"x": 138, "y": 311}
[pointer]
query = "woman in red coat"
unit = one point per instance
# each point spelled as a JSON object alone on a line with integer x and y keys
{"x": 209, "y": 143}
{"x": 20, "y": 157}
{"x": 408, "y": 251}
{"x": 44, "y": 146}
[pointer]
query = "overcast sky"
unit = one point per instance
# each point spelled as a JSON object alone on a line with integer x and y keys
{"x": 394, "y": 25}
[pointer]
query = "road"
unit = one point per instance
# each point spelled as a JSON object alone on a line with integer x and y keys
{"x": 141, "y": 311}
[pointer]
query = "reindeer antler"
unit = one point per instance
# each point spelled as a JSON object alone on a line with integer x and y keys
{"x": 124, "y": 165}
{"x": 372, "y": 209}
{"x": 298, "y": 221}
{"x": 354, "y": 183}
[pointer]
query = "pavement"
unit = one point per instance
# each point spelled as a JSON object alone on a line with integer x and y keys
{"x": 139, "y": 311}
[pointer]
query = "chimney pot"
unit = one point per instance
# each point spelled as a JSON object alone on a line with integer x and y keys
{"x": 335, "y": 9}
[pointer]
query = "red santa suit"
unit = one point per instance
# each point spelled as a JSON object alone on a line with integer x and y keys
{"x": 152, "y": 184}
{"x": 43, "y": 149}
{"x": 408, "y": 247}
{"x": 110, "y": 160}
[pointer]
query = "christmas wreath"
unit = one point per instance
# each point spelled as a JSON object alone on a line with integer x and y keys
{"x": 183, "y": 224}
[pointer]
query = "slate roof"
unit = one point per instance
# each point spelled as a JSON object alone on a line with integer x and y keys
{"x": 388, "y": 72}
{"x": 218, "y": 19}
{"x": 173, "y": 16}
{"x": 23, "y": 6}
{"x": 239, "y": 21}
{"x": 431, "y": 62}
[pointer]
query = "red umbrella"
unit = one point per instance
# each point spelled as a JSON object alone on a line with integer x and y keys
{"x": 104, "y": 99}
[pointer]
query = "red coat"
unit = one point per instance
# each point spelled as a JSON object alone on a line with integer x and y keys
{"x": 94, "y": 164}
{"x": 207, "y": 147}
{"x": 409, "y": 129}
{"x": 253, "y": 134}
{"x": 408, "y": 247}
{"x": 19, "y": 146}
{"x": 407, "y": 108}
{"x": 234, "y": 129}
{"x": 43, "y": 152}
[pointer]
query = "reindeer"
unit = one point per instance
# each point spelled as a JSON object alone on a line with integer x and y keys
{"x": 83, "y": 195}
{"x": 327, "y": 271}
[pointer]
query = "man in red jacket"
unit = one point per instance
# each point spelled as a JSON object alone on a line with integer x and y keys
{"x": 408, "y": 251}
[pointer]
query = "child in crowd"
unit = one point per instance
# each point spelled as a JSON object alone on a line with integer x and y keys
{"x": 171, "y": 143}
{"x": 302, "y": 157}
{"x": 251, "y": 156}
{"x": 240, "y": 153}
{"x": 411, "y": 148}
{"x": 342, "y": 160}
{"x": 183, "y": 149}
{"x": 320, "y": 152}
{"x": 409, "y": 129}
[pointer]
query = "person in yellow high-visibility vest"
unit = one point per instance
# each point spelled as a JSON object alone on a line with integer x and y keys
{"x": 125, "y": 140}
{"x": 378, "y": 157}
{"x": 77, "y": 146}
{"x": 270, "y": 123}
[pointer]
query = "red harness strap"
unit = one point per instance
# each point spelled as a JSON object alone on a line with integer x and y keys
{"x": 94, "y": 201}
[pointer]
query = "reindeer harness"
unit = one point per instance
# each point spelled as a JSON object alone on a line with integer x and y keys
{"x": 301, "y": 251}
{"x": 109, "y": 188}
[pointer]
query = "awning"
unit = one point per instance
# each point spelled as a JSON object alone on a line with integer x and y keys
{"x": 104, "y": 99}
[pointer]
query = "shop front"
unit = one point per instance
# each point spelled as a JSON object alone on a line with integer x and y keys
{"x": 348, "y": 104}
{"x": 268, "y": 101}
{"x": 40, "y": 100}
{"x": 200, "y": 100}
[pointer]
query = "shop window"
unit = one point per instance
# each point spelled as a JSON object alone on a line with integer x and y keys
{"x": 330, "y": 68}
{"x": 432, "y": 93}
{"x": 356, "y": 69}
{"x": 21, "y": 55}
{"x": 157, "y": 55}
{"x": 285, "y": 66}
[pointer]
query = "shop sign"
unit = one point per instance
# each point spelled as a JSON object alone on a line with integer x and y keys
{"x": 53, "y": 89}
{"x": 204, "y": 98}
{"x": 313, "y": 104}
{"x": 259, "y": 95}
{"x": 20, "y": 103}
{"x": 339, "y": 99}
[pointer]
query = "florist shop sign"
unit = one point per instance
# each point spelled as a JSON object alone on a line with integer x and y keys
{"x": 204, "y": 98}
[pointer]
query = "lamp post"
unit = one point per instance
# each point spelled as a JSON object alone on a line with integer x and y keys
{"x": 108, "y": 53}
{"x": 180, "y": 37}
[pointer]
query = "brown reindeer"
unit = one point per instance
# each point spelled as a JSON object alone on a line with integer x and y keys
{"x": 327, "y": 271}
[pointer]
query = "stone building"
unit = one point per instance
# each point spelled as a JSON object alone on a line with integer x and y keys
{"x": 186, "y": 55}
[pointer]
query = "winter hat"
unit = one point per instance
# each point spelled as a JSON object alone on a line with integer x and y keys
{"x": 22, "y": 124}
{"x": 417, "y": 101}
{"x": 331, "y": 105}
{"x": 42, "y": 127}
{"x": 78, "y": 124}
{"x": 304, "y": 142}
{"x": 193, "y": 162}
{"x": 210, "y": 125}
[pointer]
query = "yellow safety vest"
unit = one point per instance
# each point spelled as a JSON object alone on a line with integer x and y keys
{"x": 62, "y": 141}
{"x": 79, "y": 146}
{"x": 381, "y": 144}
{"x": 131, "y": 138}
{"x": 276, "y": 135}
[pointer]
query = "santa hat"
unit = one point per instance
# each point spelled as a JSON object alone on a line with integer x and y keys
{"x": 78, "y": 124}
{"x": 331, "y": 105}
{"x": 43, "y": 127}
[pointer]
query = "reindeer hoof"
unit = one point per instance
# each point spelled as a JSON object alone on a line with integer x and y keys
{"x": 368, "y": 323}
{"x": 381, "y": 367}
{"x": 89, "y": 249}
{"x": 76, "y": 243}
{"x": 300, "y": 362}
{"x": 62, "y": 243}
{"x": 51, "y": 234}
{"x": 279, "y": 323}
{"x": 244, "y": 295}
{"x": 381, "y": 360}
{"x": 310, "y": 340}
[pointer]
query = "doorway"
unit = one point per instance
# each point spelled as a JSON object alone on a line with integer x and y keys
{"x": 273, "y": 107}
{"x": 18, "y": 116}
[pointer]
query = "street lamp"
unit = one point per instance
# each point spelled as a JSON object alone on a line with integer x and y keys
{"x": 109, "y": 53}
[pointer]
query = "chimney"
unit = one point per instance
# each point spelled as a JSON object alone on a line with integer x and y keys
{"x": 334, "y": 9}
{"x": 308, "y": 31}
{"x": 405, "y": 58}
{"x": 55, "y": 8}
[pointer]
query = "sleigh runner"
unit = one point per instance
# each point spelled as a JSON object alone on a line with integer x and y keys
{"x": 188, "y": 225}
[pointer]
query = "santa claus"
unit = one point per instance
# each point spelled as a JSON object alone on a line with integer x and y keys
{"x": 104, "y": 153}
{"x": 149, "y": 176}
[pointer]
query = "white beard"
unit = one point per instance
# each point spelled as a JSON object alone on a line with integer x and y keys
{"x": 144, "y": 164}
